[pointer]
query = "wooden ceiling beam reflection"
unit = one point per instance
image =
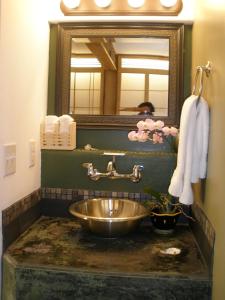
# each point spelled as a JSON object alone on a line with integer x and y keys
{"x": 104, "y": 51}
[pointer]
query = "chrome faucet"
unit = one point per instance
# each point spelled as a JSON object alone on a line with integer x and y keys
{"x": 111, "y": 167}
{"x": 111, "y": 172}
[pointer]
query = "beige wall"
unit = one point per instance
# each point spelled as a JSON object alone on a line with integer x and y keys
{"x": 209, "y": 44}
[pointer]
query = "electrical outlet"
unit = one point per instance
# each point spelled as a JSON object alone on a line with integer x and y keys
{"x": 9, "y": 159}
{"x": 32, "y": 153}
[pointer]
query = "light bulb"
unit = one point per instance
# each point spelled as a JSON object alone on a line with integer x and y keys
{"x": 103, "y": 3}
{"x": 168, "y": 3}
{"x": 136, "y": 3}
{"x": 71, "y": 3}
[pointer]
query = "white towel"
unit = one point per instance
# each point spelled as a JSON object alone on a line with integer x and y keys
{"x": 50, "y": 122}
{"x": 64, "y": 124}
{"x": 200, "y": 151}
{"x": 192, "y": 150}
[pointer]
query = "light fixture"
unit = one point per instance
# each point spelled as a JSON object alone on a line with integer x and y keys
{"x": 136, "y": 3}
{"x": 168, "y": 3}
{"x": 71, "y": 3}
{"x": 103, "y": 3}
{"x": 121, "y": 7}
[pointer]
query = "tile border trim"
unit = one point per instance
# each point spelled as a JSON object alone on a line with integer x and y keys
{"x": 74, "y": 194}
{"x": 204, "y": 223}
{"x": 15, "y": 210}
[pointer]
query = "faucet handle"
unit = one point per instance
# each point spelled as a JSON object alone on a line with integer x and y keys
{"x": 136, "y": 175}
{"x": 87, "y": 165}
{"x": 138, "y": 167}
{"x": 92, "y": 173}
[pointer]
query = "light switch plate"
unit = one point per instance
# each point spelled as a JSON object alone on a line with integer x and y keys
{"x": 9, "y": 159}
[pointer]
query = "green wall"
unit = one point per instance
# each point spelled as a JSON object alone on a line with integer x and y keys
{"x": 187, "y": 60}
{"x": 63, "y": 168}
{"x": 117, "y": 140}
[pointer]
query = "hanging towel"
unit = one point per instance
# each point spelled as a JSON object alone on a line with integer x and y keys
{"x": 192, "y": 150}
{"x": 64, "y": 123}
{"x": 50, "y": 122}
{"x": 200, "y": 151}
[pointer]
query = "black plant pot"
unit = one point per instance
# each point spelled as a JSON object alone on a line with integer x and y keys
{"x": 164, "y": 223}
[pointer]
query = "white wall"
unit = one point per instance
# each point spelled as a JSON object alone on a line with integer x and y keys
{"x": 23, "y": 90}
{"x": 24, "y": 43}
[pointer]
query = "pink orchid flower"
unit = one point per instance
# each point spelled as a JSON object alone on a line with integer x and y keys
{"x": 153, "y": 131}
{"x": 142, "y": 136}
{"x": 150, "y": 124}
{"x": 173, "y": 131}
{"x": 159, "y": 125}
{"x": 156, "y": 138}
{"x": 132, "y": 136}
{"x": 141, "y": 125}
{"x": 166, "y": 130}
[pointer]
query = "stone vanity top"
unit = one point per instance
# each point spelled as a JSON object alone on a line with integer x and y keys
{"x": 56, "y": 259}
{"x": 60, "y": 242}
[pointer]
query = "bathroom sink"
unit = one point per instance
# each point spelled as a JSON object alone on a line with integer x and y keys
{"x": 108, "y": 217}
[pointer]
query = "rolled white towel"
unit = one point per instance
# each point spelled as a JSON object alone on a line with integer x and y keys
{"x": 64, "y": 123}
{"x": 50, "y": 122}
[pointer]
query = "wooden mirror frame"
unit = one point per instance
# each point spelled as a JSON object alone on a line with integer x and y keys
{"x": 66, "y": 31}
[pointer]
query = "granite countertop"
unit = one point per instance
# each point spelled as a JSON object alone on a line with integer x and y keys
{"x": 61, "y": 243}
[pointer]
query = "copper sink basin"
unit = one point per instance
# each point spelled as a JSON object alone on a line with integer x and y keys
{"x": 108, "y": 217}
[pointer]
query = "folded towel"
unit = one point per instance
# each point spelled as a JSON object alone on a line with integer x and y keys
{"x": 50, "y": 122}
{"x": 64, "y": 124}
{"x": 192, "y": 149}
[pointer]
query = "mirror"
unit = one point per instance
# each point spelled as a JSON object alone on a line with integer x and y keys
{"x": 108, "y": 74}
{"x": 114, "y": 76}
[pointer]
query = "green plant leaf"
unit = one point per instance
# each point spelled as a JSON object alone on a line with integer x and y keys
{"x": 153, "y": 193}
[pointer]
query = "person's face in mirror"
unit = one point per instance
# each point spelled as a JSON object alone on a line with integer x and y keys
{"x": 146, "y": 108}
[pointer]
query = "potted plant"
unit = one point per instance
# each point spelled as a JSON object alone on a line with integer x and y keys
{"x": 163, "y": 208}
{"x": 164, "y": 211}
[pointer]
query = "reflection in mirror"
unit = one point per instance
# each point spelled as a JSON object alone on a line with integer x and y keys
{"x": 115, "y": 75}
{"x": 106, "y": 70}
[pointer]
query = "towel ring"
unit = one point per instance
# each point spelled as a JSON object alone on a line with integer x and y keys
{"x": 199, "y": 75}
